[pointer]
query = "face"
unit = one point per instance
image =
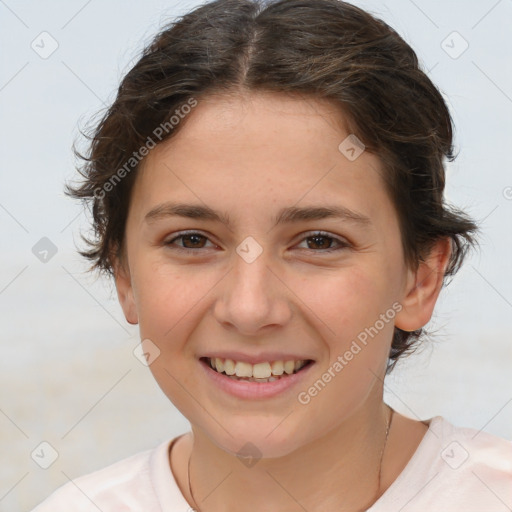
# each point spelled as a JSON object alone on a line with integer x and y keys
{"x": 264, "y": 285}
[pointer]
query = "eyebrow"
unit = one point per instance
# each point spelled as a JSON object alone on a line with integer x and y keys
{"x": 289, "y": 214}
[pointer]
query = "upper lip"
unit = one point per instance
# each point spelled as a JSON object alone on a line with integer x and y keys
{"x": 260, "y": 358}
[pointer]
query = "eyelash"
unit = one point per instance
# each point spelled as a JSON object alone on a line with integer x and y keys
{"x": 311, "y": 234}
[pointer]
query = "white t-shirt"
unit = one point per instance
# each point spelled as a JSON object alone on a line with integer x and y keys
{"x": 453, "y": 469}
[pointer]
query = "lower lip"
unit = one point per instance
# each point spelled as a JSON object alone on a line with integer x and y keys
{"x": 255, "y": 390}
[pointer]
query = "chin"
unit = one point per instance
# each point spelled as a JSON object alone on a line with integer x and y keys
{"x": 259, "y": 440}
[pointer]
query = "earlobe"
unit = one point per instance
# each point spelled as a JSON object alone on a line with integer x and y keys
{"x": 125, "y": 292}
{"x": 423, "y": 287}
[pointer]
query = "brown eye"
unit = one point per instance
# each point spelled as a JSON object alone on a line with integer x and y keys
{"x": 188, "y": 242}
{"x": 193, "y": 241}
{"x": 323, "y": 242}
{"x": 319, "y": 242}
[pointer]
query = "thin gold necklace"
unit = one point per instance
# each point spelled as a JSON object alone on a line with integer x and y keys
{"x": 388, "y": 426}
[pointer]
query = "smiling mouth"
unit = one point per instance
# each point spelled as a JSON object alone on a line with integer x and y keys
{"x": 261, "y": 372}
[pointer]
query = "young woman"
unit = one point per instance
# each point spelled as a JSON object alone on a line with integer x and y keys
{"x": 267, "y": 193}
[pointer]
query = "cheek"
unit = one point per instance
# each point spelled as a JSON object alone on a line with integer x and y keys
{"x": 358, "y": 351}
{"x": 169, "y": 302}
{"x": 357, "y": 337}
{"x": 166, "y": 297}
{"x": 348, "y": 300}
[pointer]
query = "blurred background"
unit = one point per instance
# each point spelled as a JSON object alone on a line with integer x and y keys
{"x": 68, "y": 375}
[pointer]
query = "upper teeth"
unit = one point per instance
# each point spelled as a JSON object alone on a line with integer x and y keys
{"x": 258, "y": 371}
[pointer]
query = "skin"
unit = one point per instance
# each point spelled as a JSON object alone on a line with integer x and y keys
{"x": 249, "y": 156}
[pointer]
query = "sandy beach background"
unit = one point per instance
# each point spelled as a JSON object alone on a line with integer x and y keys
{"x": 68, "y": 376}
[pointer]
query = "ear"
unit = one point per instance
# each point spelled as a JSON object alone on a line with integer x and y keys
{"x": 423, "y": 287}
{"x": 125, "y": 291}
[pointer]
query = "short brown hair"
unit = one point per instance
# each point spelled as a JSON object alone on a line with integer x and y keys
{"x": 325, "y": 49}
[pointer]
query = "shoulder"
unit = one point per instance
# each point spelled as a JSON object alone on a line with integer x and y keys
{"x": 473, "y": 467}
{"x": 454, "y": 468}
{"x": 472, "y": 449}
{"x": 117, "y": 487}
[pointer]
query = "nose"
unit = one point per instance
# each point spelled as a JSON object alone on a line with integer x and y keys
{"x": 252, "y": 299}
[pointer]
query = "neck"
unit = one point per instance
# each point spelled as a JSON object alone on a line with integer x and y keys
{"x": 339, "y": 471}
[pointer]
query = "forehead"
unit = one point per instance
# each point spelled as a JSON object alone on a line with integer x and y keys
{"x": 258, "y": 153}
{"x": 276, "y": 122}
